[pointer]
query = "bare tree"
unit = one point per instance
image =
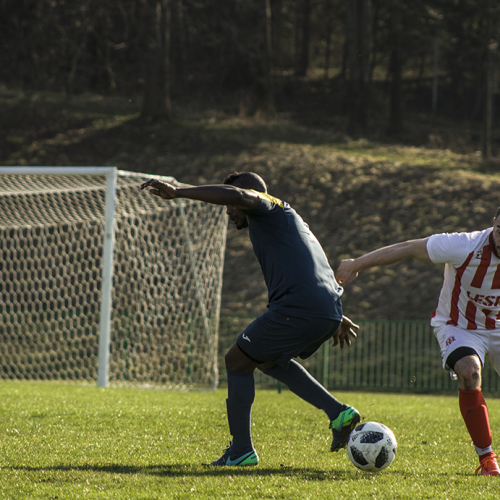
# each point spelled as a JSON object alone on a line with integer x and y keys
{"x": 359, "y": 42}
{"x": 395, "y": 69}
{"x": 265, "y": 91}
{"x": 491, "y": 38}
{"x": 269, "y": 57}
{"x": 302, "y": 36}
{"x": 157, "y": 104}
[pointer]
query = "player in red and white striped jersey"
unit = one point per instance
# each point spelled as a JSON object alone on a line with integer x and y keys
{"x": 466, "y": 320}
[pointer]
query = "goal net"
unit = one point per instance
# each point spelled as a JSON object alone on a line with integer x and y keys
{"x": 166, "y": 266}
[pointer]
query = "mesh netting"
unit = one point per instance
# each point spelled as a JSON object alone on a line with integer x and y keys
{"x": 167, "y": 280}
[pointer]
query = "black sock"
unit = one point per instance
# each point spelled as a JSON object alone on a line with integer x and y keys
{"x": 304, "y": 385}
{"x": 240, "y": 397}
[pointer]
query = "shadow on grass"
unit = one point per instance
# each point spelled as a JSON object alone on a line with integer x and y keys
{"x": 180, "y": 470}
{"x": 186, "y": 470}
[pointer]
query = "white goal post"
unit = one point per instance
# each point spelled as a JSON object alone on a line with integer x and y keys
{"x": 102, "y": 281}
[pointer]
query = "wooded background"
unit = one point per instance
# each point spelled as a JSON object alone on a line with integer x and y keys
{"x": 370, "y": 64}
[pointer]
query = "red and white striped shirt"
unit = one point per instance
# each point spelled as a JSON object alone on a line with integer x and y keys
{"x": 470, "y": 296}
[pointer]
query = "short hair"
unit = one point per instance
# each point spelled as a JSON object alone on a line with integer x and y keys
{"x": 247, "y": 180}
{"x": 497, "y": 213}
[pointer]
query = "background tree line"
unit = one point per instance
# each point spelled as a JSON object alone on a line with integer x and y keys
{"x": 365, "y": 62}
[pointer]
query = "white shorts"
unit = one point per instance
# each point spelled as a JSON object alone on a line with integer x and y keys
{"x": 484, "y": 342}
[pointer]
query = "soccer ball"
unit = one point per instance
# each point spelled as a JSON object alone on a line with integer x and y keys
{"x": 372, "y": 446}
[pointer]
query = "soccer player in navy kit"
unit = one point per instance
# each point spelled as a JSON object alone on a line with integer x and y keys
{"x": 304, "y": 308}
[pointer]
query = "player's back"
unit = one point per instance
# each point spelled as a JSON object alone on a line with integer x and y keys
{"x": 298, "y": 276}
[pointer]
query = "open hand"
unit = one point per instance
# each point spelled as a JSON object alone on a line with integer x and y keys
{"x": 342, "y": 334}
{"x": 161, "y": 189}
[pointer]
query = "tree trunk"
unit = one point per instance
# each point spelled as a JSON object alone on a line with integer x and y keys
{"x": 265, "y": 99}
{"x": 435, "y": 68}
{"x": 269, "y": 55}
{"x": 488, "y": 108}
{"x": 302, "y": 37}
{"x": 491, "y": 40}
{"x": 157, "y": 103}
{"x": 359, "y": 40}
{"x": 328, "y": 37}
{"x": 395, "y": 69}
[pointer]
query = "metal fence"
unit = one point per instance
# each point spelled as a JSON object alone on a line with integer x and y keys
{"x": 386, "y": 356}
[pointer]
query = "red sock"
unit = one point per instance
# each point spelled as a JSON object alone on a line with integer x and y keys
{"x": 475, "y": 414}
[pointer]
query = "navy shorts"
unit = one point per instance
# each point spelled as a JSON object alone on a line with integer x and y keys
{"x": 279, "y": 338}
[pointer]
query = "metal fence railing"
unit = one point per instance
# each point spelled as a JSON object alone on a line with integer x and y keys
{"x": 386, "y": 356}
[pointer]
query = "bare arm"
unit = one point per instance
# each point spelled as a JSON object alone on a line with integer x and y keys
{"x": 217, "y": 194}
{"x": 415, "y": 249}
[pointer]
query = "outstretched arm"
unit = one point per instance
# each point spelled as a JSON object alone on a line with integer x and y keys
{"x": 217, "y": 194}
{"x": 416, "y": 249}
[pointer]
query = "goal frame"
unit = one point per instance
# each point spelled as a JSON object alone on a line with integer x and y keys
{"x": 108, "y": 249}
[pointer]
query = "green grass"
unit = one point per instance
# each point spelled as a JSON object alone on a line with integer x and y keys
{"x": 63, "y": 441}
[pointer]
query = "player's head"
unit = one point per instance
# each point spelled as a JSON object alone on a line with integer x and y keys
{"x": 247, "y": 180}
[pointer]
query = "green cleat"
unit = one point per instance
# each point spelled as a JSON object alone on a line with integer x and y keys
{"x": 342, "y": 427}
{"x": 250, "y": 457}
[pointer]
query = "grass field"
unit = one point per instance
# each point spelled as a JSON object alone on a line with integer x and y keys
{"x": 64, "y": 441}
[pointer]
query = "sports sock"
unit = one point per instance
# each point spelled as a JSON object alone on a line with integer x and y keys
{"x": 240, "y": 397}
{"x": 301, "y": 383}
{"x": 475, "y": 414}
{"x": 483, "y": 455}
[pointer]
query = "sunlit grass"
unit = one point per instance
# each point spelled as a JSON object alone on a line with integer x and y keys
{"x": 69, "y": 441}
{"x": 410, "y": 156}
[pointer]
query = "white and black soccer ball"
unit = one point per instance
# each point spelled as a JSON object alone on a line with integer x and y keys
{"x": 372, "y": 446}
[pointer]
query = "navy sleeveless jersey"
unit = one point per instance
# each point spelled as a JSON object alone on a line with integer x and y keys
{"x": 299, "y": 279}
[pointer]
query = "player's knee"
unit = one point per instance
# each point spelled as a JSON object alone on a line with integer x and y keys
{"x": 468, "y": 370}
{"x": 236, "y": 360}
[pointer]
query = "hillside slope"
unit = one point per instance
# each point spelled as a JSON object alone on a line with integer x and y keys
{"x": 355, "y": 195}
